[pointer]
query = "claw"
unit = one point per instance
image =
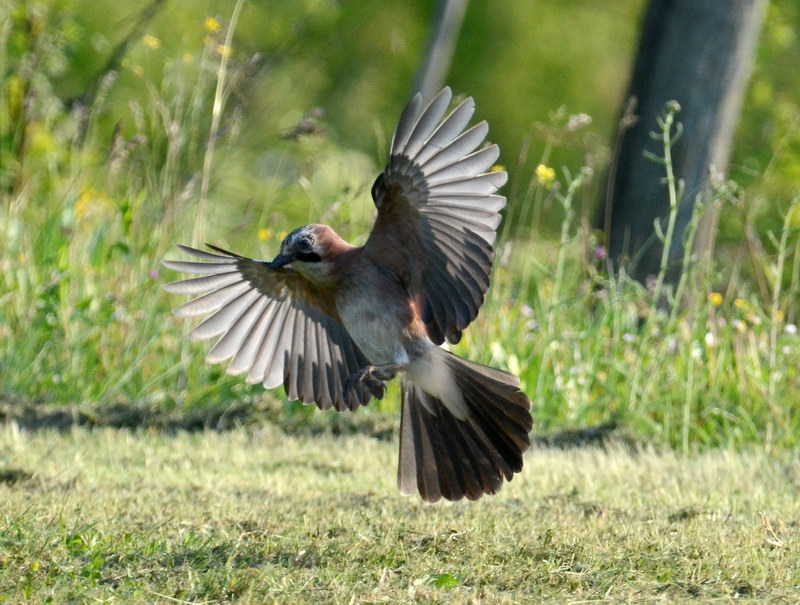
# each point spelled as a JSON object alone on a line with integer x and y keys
{"x": 377, "y": 388}
{"x": 366, "y": 376}
{"x": 365, "y": 373}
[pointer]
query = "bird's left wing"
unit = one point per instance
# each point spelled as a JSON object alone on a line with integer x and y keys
{"x": 274, "y": 324}
{"x": 438, "y": 213}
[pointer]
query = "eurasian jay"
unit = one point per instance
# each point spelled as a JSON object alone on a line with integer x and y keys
{"x": 333, "y": 322}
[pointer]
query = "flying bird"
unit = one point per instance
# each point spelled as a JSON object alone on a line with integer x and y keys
{"x": 332, "y": 322}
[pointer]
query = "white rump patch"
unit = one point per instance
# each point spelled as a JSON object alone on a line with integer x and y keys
{"x": 431, "y": 373}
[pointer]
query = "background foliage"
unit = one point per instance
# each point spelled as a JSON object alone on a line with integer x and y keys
{"x": 100, "y": 173}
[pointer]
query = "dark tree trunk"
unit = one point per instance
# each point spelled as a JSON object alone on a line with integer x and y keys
{"x": 445, "y": 27}
{"x": 698, "y": 53}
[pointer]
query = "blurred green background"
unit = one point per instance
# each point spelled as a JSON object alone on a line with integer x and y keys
{"x": 93, "y": 195}
{"x": 521, "y": 60}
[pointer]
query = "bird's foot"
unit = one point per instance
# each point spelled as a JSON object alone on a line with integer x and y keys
{"x": 369, "y": 377}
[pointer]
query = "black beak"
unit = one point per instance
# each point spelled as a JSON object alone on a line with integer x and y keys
{"x": 280, "y": 260}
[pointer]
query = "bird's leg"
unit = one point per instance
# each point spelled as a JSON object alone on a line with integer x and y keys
{"x": 364, "y": 377}
{"x": 374, "y": 377}
{"x": 384, "y": 372}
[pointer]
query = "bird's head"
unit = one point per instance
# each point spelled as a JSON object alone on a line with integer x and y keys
{"x": 308, "y": 249}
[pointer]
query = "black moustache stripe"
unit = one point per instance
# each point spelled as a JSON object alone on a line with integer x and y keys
{"x": 309, "y": 257}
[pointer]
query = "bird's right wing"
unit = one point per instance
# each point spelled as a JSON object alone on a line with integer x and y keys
{"x": 276, "y": 327}
{"x": 438, "y": 213}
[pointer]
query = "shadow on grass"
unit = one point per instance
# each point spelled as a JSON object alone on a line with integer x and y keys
{"x": 34, "y": 415}
{"x": 31, "y": 415}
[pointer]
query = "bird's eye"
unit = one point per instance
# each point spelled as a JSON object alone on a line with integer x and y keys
{"x": 305, "y": 245}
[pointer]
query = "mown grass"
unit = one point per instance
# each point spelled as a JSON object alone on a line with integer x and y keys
{"x": 260, "y": 516}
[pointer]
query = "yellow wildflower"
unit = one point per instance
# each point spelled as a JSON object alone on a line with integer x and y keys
{"x": 225, "y": 51}
{"x": 715, "y": 298}
{"x": 151, "y": 41}
{"x": 497, "y": 168}
{"x": 263, "y": 234}
{"x": 187, "y": 57}
{"x": 82, "y": 204}
{"x": 740, "y": 303}
{"x": 545, "y": 175}
{"x": 212, "y": 24}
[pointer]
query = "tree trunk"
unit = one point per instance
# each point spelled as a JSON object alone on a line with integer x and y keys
{"x": 447, "y": 20}
{"x": 698, "y": 53}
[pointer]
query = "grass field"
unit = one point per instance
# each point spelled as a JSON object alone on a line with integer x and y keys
{"x": 702, "y": 376}
{"x": 259, "y": 516}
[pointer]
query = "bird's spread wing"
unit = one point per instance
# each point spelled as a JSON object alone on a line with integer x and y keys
{"x": 274, "y": 325}
{"x": 437, "y": 213}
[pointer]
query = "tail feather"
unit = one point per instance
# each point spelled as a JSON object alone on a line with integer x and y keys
{"x": 442, "y": 456}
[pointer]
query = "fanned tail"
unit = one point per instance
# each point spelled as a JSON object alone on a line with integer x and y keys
{"x": 443, "y": 456}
